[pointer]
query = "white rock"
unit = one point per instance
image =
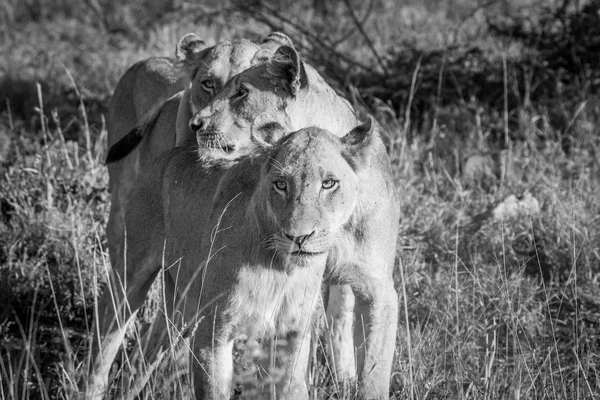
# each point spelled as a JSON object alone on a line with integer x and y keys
{"x": 512, "y": 207}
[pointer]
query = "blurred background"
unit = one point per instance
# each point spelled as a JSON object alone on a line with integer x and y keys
{"x": 459, "y": 52}
{"x": 481, "y": 100}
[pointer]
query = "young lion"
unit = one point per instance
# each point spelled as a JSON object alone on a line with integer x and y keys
{"x": 249, "y": 241}
{"x": 362, "y": 296}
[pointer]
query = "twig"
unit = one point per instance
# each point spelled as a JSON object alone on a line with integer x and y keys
{"x": 367, "y": 38}
{"x": 86, "y": 125}
{"x": 351, "y": 32}
{"x": 45, "y": 132}
{"x": 408, "y": 341}
{"x": 472, "y": 14}
{"x": 10, "y": 119}
{"x": 263, "y": 18}
{"x": 61, "y": 137}
{"x": 410, "y": 97}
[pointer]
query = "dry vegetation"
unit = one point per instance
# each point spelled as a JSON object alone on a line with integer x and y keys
{"x": 500, "y": 296}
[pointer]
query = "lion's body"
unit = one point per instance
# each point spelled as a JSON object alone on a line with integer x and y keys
{"x": 142, "y": 87}
{"x": 232, "y": 243}
{"x": 362, "y": 309}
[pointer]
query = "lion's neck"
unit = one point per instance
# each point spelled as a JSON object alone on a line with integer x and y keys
{"x": 320, "y": 106}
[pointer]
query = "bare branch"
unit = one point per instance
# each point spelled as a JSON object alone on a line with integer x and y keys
{"x": 359, "y": 25}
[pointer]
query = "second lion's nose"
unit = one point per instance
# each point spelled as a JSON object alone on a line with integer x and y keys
{"x": 198, "y": 123}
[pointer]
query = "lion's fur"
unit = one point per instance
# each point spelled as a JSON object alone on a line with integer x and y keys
{"x": 142, "y": 87}
{"x": 223, "y": 227}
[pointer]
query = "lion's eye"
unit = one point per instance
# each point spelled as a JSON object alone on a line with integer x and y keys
{"x": 241, "y": 92}
{"x": 208, "y": 84}
{"x": 329, "y": 184}
{"x": 280, "y": 185}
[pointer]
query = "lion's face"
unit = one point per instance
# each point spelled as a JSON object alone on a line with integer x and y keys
{"x": 208, "y": 69}
{"x": 224, "y": 125}
{"x": 312, "y": 187}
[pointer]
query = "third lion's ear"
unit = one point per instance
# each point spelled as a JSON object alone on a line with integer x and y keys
{"x": 287, "y": 67}
{"x": 276, "y": 40}
{"x": 269, "y": 45}
{"x": 188, "y": 46}
{"x": 361, "y": 143}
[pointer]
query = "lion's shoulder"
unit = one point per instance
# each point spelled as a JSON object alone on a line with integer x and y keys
{"x": 161, "y": 69}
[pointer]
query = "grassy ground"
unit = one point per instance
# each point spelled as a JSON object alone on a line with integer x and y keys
{"x": 499, "y": 295}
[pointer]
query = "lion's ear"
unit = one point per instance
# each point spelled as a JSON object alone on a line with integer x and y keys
{"x": 266, "y": 130}
{"x": 269, "y": 45}
{"x": 261, "y": 56}
{"x": 287, "y": 67}
{"x": 276, "y": 40}
{"x": 361, "y": 143}
{"x": 188, "y": 46}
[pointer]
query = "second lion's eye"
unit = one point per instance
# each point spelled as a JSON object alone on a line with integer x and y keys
{"x": 241, "y": 92}
{"x": 208, "y": 84}
{"x": 280, "y": 185}
{"x": 329, "y": 184}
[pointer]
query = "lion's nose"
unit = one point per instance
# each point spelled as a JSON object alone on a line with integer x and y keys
{"x": 299, "y": 239}
{"x": 199, "y": 123}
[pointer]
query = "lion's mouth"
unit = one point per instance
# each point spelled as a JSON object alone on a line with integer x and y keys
{"x": 215, "y": 140}
{"x": 303, "y": 253}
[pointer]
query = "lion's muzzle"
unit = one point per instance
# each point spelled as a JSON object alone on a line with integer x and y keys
{"x": 198, "y": 123}
{"x": 311, "y": 244}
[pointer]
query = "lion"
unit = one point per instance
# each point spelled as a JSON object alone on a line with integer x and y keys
{"x": 292, "y": 92}
{"x": 250, "y": 241}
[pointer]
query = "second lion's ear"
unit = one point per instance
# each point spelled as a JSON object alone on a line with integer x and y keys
{"x": 287, "y": 67}
{"x": 361, "y": 143}
{"x": 188, "y": 46}
{"x": 269, "y": 46}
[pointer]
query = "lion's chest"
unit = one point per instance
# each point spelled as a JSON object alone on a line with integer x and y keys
{"x": 267, "y": 302}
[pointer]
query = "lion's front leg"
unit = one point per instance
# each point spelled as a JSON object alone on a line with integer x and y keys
{"x": 339, "y": 332}
{"x": 212, "y": 362}
{"x": 374, "y": 336}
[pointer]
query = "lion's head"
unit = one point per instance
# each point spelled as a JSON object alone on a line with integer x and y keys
{"x": 207, "y": 69}
{"x": 309, "y": 187}
{"x": 283, "y": 86}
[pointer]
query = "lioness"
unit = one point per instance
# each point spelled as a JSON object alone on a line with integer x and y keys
{"x": 290, "y": 90}
{"x": 250, "y": 240}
